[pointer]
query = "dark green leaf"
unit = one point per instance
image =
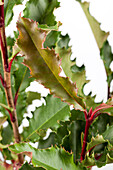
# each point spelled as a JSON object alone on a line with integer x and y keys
{"x": 27, "y": 166}
{"x": 107, "y": 57}
{"x": 108, "y": 134}
{"x": 72, "y": 142}
{"x": 50, "y": 141}
{"x": 8, "y": 9}
{"x": 51, "y": 39}
{"x": 7, "y": 135}
{"x": 41, "y": 11}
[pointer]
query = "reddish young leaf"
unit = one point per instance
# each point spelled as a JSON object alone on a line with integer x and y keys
{"x": 44, "y": 63}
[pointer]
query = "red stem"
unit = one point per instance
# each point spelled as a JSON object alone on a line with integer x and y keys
{"x": 90, "y": 117}
{"x": 3, "y": 38}
{"x": 11, "y": 61}
{"x": 2, "y": 81}
{"x": 85, "y": 140}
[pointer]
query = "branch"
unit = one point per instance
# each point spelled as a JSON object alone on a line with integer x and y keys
{"x": 7, "y": 80}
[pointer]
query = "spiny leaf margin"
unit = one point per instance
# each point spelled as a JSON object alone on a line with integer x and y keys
{"x": 44, "y": 63}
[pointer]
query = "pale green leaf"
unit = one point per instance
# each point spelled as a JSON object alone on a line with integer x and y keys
{"x": 100, "y": 36}
{"x": 76, "y": 74}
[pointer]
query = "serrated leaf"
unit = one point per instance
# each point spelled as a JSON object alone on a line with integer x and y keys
{"x": 64, "y": 41}
{"x": 32, "y": 96}
{"x": 90, "y": 101}
{"x": 95, "y": 141}
{"x": 48, "y": 28}
{"x": 47, "y": 116}
{"x": 27, "y": 166}
{"x": 8, "y": 9}
{"x": 55, "y": 138}
{"x": 44, "y": 63}
{"x": 100, "y": 36}
{"x": 41, "y": 11}
{"x": 76, "y": 75}
{"x": 47, "y": 158}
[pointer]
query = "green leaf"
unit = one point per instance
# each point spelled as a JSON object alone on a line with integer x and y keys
{"x": 50, "y": 141}
{"x": 7, "y": 135}
{"x": 48, "y": 28}
{"x": 3, "y": 100}
{"x": 90, "y": 101}
{"x": 55, "y": 138}
{"x": 107, "y": 57}
{"x": 32, "y": 96}
{"x": 21, "y": 80}
{"x": 2, "y": 120}
{"x": 6, "y": 107}
{"x": 95, "y": 141}
{"x": 8, "y": 9}
{"x": 45, "y": 64}
{"x": 100, "y": 36}
{"x": 41, "y": 11}
{"x": 100, "y": 124}
{"x": 76, "y": 75}
{"x": 64, "y": 41}
{"x": 72, "y": 143}
{"x": 21, "y": 108}
{"x": 21, "y": 75}
{"x": 47, "y": 158}
{"x": 108, "y": 134}
{"x": 47, "y": 116}
{"x": 51, "y": 39}
{"x": 27, "y": 166}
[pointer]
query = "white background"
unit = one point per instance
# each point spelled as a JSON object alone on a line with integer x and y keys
{"x": 84, "y": 47}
